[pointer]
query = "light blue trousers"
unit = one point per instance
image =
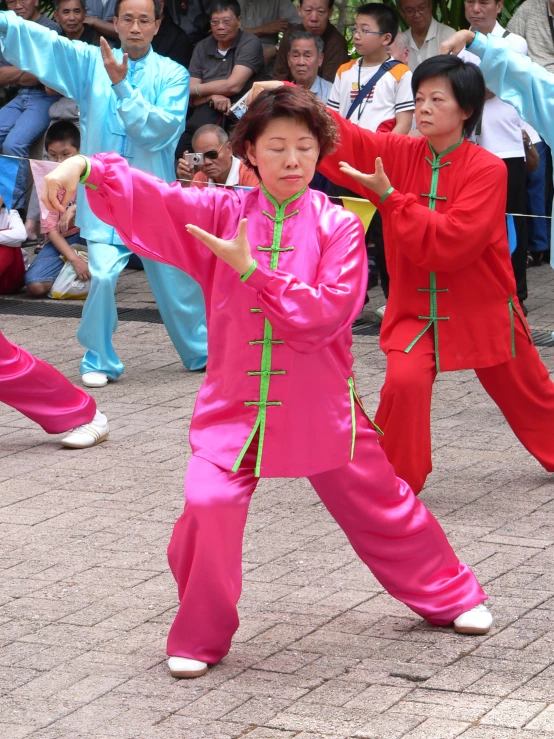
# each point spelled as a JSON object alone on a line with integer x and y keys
{"x": 180, "y": 302}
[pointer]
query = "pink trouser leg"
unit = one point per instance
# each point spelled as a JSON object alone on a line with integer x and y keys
{"x": 205, "y": 556}
{"x": 40, "y": 392}
{"x": 395, "y": 535}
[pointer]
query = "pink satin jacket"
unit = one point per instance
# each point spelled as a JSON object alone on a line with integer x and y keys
{"x": 279, "y": 339}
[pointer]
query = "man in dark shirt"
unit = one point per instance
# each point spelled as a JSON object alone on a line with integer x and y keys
{"x": 171, "y": 41}
{"x": 25, "y": 117}
{"x": 222, "y": 69}
{"x": 315, "y": 16}
{"x": 71, "y": 15}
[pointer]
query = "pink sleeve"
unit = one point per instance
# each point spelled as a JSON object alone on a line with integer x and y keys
{"x": 150, "y": 215}
{"x": 50, "y": 223}
{"x": 309, "y": 317}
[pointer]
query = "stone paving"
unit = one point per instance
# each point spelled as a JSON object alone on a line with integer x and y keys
{"x": 86, "y": 597}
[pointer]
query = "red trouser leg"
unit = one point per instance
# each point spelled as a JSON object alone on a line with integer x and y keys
{"x": 40, "y": 392}
{"x": 205, "y": 557}
{"x": 12, "y": 269}
{"x": 395, "y": 535}
{"x": 524, "y": 392}
{"x": 404, "y": 412}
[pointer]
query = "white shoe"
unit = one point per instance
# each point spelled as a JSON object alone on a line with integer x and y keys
{"x": 184, "y": 667}
{"x": 89, "y": 434}
{"x": 380, "y": 312}
{"x": 476, "y": 621}
{"x": 94, "y": 379}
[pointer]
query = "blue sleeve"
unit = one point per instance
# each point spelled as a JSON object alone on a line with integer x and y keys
{"x": 155, "y": 126}
{"x": 518, "y": 81}
{"x": 58, "y": 62}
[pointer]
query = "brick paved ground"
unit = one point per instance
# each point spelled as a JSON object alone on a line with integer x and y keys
{"x": 86, "y": 597}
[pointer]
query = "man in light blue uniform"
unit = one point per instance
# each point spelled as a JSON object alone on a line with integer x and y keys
{"x": 515, "y": 79}
{"x": 132, "y": 101}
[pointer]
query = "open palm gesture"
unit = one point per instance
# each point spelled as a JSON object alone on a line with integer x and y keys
{"x": 378, "y": 182}
{"x": 235, "y": 253}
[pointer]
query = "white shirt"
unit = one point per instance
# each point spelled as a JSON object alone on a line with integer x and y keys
{"x": 436, "y": 34}
{"x": 391, "y": 95}
{"x": 500, "y": 129}
{"x": 12, "y": 230}
{"x": 233, "y": 176}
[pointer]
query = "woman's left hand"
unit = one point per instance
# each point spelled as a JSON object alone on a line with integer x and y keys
{"x": 378, "y": 182}
{"x": 235, "y": 253}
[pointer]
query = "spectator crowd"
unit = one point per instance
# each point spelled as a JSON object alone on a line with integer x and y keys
{"x": 227, "y": 45}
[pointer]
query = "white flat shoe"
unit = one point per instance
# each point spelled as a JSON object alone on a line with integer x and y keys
{"x": 94, "y": 379}
{"x": 89, "y": 434}
{"x": 184, "y": 667}
{"x": 476, "y": 621}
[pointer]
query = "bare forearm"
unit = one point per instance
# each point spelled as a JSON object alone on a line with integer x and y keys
{"x": 61, "y": 244}
{"x": 10, "y": 75}
{"x": 105, "y": 28}
{"x": 217, "y": 87}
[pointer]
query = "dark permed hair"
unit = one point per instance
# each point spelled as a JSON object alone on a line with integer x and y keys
{"x": 465, "y": 78}
{"x": 63, "y": 131}
{"x": 383, "y": 15}
{"x": 285, "y": 102}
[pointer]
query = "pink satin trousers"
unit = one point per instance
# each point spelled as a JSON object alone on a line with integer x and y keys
{"x": 40, "y": 392}
{"x": 388, "y": 527}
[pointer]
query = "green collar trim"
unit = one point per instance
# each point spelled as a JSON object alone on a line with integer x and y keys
{"x": 280, "y": 209}
{"x": 438, "y": 157}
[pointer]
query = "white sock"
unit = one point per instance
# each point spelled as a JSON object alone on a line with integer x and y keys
{"x": 100, "y": 417}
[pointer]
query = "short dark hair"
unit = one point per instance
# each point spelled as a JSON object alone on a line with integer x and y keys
{"x": 331, "y": 3}
{"x": 466, "y": 79}
{"x": 285, "y": 102}
{"x": 218, "y": 6}
{"x": 157, "y": 9}
{"x": 318, "y": 41}
{"x": 383, "y": 15}
{"x": 57, "y": 4}
{"x": 63, "y": 131}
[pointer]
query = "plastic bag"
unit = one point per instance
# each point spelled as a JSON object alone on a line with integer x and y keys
{"x": 67, "y": 285}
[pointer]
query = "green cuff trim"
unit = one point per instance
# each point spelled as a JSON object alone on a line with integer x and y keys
{"x": 385, "y": 196}
{"x": 84, "y": 178}
{"x": 246, "y": 275}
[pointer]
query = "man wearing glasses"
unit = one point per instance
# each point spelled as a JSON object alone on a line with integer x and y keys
{"x": 132, "y": 101}
{"x": 425, "y": 34}
{"x": 222, "y": 69}
{"x": 218, "y": 166}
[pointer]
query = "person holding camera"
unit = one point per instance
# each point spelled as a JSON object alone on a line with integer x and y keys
{"x": 214, "y": 160}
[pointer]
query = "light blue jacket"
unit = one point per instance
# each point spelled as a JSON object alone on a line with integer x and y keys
{"x": 141, "y": 118}
{"x": 522, "y": 83}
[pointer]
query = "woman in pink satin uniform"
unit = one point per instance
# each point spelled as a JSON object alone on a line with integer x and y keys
{"x": 283, "y": 273}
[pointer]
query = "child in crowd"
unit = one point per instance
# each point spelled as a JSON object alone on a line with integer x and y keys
{"x": 62, "y": 141}
{"x": 12, "y": 257}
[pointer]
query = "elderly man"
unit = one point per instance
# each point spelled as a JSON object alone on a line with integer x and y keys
{"x": 266, "y": 19}
{"x": 315, "y": 15}
{"x": 425, "y": 34}
{"x": 219, "y": 166}
{"x": 305, "y": 58}
{"x": 134, "y": 102}
{"x": 400, "y": 48}
{"x": 71, "y": 15}
{"x": 222, "y": 69}
{"x": 25, "y": 117}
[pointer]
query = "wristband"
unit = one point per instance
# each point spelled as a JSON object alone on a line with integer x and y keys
{"x": 196, "y": 92}
{"x": 386, "y": 194}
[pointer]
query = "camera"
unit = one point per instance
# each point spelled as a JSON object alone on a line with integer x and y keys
{"x": 195, "y": 159}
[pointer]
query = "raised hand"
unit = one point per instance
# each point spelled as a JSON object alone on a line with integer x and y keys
{"x": 258, "y": 87}
{"x": 378, "y": 182}
{"x": 235, "y": 253}
{"x": 65, "y": 177}
{"x": 116, "y": 71}
{"x": 454, "y": 44}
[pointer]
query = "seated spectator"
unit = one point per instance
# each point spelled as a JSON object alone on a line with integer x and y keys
{"x": 425, "y": 34}
{"x": 25, "y": 117}
{"x": 305, "y": 58}
{"x": 266, "y": 19}
{"x": 400, "y": 48}
{"x": 62, "y": 141}
{"x": 222, "y": 70}
{"x": 99, "y": 18}
{"x": 171, "y": 41}
{"x": 220, "y": 167}
{"x": 12, "y": 256}
{"x": 71, "y": 14}
{"x": 315, "y": 15}
{"x": 191, "y": 17}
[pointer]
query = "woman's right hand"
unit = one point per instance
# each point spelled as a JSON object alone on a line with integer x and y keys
{"x": 65, "y": 177}
{"x": 258, "y": 87}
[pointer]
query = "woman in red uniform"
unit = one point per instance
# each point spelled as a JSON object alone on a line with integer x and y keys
{"x": 452, "y": 301}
